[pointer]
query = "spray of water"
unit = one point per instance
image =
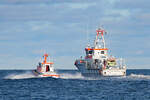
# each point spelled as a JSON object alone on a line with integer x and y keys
{"x": 129, "y": 77}
{"x": 24, "y": 75}
{"x": 71, "y": 76}
{"x": 139, "y": 76}
{"x": 29, "y": 74}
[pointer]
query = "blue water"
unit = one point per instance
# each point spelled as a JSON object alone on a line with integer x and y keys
{"x": 22, "y": 85}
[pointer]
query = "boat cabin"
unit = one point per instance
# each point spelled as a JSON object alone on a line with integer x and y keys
{"x": 45, "y": 66}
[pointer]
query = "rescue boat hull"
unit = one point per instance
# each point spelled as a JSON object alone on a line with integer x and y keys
{"x": 100, "y": 72}
{"x": 38, "y": 74}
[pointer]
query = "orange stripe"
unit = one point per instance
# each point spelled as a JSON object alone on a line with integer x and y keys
{"x": 51, "y": 75}
{"x": 48, "y": 63}
{"x": 97, "y": 49}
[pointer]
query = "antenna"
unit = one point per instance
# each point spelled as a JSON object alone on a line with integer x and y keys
{"x": 87, "y": 33}
{"x": 49, "y": 59}
{"x": 100, "y": 41}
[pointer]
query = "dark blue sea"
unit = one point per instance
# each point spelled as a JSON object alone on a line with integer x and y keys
{"x": 22, "y": 85}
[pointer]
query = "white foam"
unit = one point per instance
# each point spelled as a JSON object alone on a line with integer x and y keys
{"x": 24, "y": 75}
{"x": 139, "y": 76}
{"x": 29, "y": 74}
{"x": 71, "y": 76}
{"x": 79, "y": 76}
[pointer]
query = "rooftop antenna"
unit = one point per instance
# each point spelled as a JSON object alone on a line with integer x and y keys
{"x": 100, "y": 41}
{"x": 43, "y": 51}
{"x": 87, "y": 34}
{"x": 49, "y": 59}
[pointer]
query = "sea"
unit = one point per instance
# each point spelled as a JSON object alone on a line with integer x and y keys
{"x": 23, "y": 85}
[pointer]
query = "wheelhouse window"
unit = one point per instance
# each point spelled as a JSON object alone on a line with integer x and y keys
{"x": 89, "y": 52}
{"x": 47, "y": 68}
{"x": 102, "y": 52}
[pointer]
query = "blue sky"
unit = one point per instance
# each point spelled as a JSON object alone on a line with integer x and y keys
{"x": 28, "y": 28}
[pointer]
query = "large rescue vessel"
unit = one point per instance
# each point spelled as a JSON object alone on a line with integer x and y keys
{"x": 97, "y": 62}
{"x": 45, "y": 69}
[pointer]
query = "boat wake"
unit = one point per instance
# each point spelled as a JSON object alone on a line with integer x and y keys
{"x": 24, "y": 75}
{"x": 129, "y": 77}
{"x": 139, "y": 76}
{"x": 29, "y": 74}
{"x": 71, "y": 76}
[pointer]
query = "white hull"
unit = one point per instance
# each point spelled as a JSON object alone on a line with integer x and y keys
{"x": 114, "y": 72}
{"x": 98, "y": 72}
{"x": 48, "y": 74}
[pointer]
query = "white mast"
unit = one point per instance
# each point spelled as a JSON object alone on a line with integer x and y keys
{"x": 99, "y": 41}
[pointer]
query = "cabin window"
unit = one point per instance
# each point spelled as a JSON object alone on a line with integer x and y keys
{"x": 102, "y": 52}
{"x": 90, "y": 52}
{"x": 47, "y": 68}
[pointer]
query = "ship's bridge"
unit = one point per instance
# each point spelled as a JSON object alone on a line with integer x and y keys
{"x": 96, "y": 53}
